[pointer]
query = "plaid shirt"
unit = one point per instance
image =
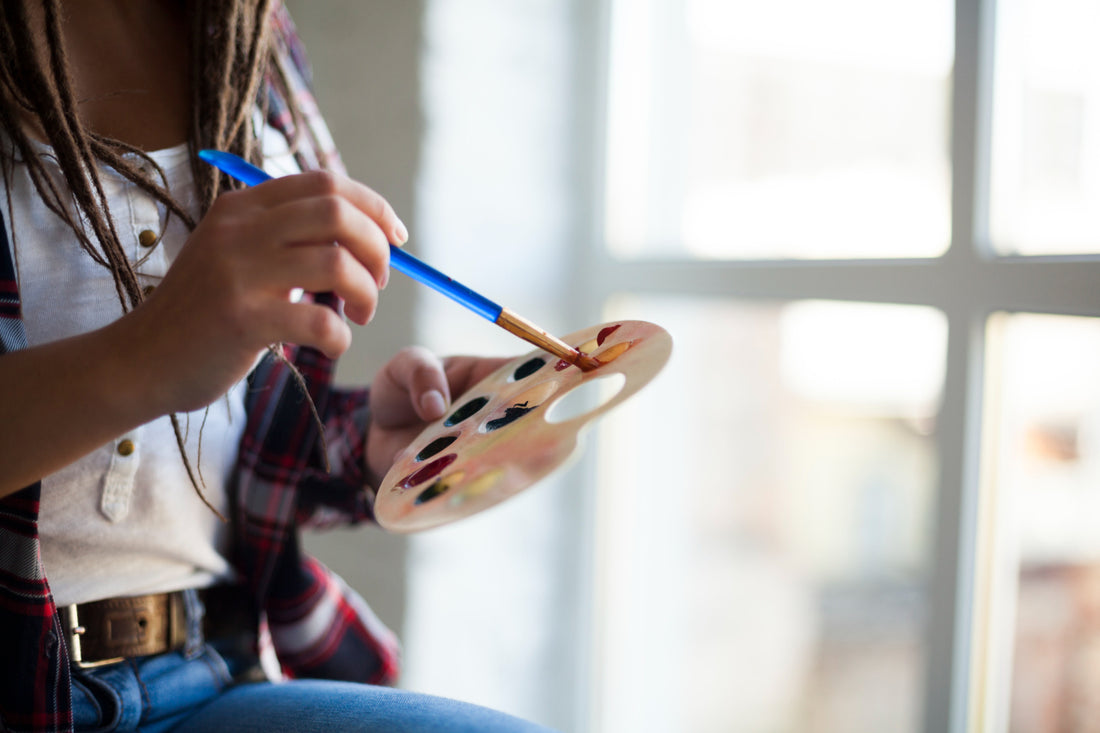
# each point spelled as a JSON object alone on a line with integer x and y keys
{"x": 280, "y": 485}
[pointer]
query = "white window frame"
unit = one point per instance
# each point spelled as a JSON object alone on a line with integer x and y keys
{"x": 967, "y": 284}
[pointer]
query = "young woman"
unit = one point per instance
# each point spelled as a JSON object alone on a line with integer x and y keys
{"x": 147, "y": 389}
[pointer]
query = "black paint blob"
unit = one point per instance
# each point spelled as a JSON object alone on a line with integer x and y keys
{"x": 511, "y": 414}
{"x": 528, "y": 368}
{"x": 465, "y": 411}
{"x": 438, "y": 488}
{"x": 436, "y": 446}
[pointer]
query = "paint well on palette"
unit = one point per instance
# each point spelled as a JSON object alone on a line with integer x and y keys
{"x": 477, "y": 487}
{"x": 614, "y": 352}
{"x": 591, "y": 345}
{"x": 528, "y": 368}
{"x": 435, "y": 447}
{"x": 511, "y": 414}
{"x": 466, "y": 411}
{"x": 429, "y": 471}
{"x": 605, "y": 332}
{"x": 522, "y": 404}
{"x": 437, "y": 489}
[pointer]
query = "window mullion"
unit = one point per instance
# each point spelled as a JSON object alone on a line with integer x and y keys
{"x": 947, "y": 678}
{"x": 958, "y": 439}
{"x": 971, "y": 127}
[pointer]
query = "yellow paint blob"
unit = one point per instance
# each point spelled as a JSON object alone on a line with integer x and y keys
{"x": 477, "y": 487}
{"x": 611, "y": 353}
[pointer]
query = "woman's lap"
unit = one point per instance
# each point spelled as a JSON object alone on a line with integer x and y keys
{"x": 315, "y": 705}
{"x": 195, "y": 694}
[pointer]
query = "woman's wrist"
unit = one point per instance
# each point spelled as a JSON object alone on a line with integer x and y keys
{"x": 66, "y": 398}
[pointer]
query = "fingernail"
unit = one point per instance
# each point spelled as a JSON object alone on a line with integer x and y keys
{"x": 432, "y": 404}
{"x": 384, "y": 280}
{"x": 401, "y": 232}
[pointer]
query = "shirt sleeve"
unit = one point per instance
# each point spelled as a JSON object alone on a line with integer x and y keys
{"x": 339, "y": 494}
{"x": 322, "y": 629}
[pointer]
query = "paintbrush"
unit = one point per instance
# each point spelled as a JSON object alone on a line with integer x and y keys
{"x": 423, "y": 273}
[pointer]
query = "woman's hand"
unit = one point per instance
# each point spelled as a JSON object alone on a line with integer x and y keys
{"x": 413, "y": 389}
{"x": 227, "y": 296}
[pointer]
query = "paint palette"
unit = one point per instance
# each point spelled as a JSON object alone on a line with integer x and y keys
{"x": 515, "y": 426}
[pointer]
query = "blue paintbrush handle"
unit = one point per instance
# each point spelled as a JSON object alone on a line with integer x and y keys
{"x": 400, "y": 260}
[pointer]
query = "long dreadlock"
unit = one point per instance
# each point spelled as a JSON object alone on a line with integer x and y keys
{"x": 233, "y": 72}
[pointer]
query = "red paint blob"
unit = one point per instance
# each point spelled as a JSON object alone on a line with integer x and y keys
{"x": 604, "y": 333}
{"x": 431, "y": 470}
{"x": 561, "y": 365}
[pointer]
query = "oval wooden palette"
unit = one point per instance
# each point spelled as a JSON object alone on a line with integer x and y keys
{"x": 497, "y": 439}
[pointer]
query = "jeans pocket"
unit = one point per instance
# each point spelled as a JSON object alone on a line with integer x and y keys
{"x": 97, "y": 707}
{"x": 172, "y": 686}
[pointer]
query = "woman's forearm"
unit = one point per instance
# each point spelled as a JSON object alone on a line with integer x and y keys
{"x": 64, "y": 399}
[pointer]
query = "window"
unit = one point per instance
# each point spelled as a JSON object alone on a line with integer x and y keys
{"x": 1045, "y": 132}
{"x": 862, "y": 495}
{"x": 765, "y": 519}
{"x": 722, "y": 112}
{"x": 1043, "y": 490}
{"x": 860, "y": 498}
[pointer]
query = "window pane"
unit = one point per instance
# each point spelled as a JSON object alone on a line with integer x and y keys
{"x": 734, "y": 132}
{"x": 1044, "y": 672}
{"x": 1045, "y": 178}
{"x": 763, "y": 521}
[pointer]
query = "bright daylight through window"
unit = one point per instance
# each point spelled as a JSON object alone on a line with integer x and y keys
{"x": 868, "y": 494}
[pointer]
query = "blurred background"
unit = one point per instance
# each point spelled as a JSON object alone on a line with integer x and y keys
{"x": 864, "y": 495}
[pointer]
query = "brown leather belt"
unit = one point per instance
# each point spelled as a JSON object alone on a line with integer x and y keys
{"x": 108, "y": 631}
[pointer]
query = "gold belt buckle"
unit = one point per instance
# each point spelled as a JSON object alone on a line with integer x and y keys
{"x": 75, "y": 631}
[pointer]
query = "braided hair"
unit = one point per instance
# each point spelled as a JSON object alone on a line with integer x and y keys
{"x": 233, "y": 73}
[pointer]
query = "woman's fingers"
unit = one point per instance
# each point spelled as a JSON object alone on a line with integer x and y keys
{"x": 307, "y": 324}
{"x": 464, "y": 372}
{"x": 330, "y": 219}
{"x": 321, "y": 268}
{"x": 228, "y": 287}
{"x": 416, "y": 386}
{"x": 326, "y": 183}
{"x": 285, "y": 230}
{"x": 411, "y": 388}
{"x": 428, "y": 386}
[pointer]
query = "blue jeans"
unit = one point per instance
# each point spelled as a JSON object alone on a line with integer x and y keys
{"x": 193, "y": 691}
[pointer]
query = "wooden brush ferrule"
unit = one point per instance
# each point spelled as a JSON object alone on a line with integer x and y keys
{"x": 529, "y": 332}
